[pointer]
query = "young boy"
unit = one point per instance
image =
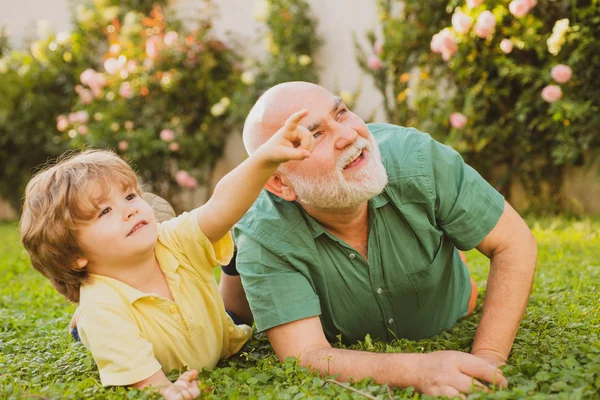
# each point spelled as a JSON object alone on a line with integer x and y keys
{"x": 148, "y": 301}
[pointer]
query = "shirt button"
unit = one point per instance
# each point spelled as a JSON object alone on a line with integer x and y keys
{"x": 379, "y": 290}
{"x": 352, "y": 255}
{"x": 391, "y": 321}
{"x": 173, "y": 309}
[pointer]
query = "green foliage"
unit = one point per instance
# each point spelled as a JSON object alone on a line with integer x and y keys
{"x": 163, "y": 98}
{"x": 130, "y": 77}
{"x": 291, "y": 40}
{"x": 508, "y": 122}
{"x": 556, "y": 353}
{"x": 35, "y": 86}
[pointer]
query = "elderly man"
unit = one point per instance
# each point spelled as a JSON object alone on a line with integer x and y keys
{"x": 362, "y": 237}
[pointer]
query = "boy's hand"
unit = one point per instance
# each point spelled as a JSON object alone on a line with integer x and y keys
{"x": 184, "y": 388}
{"x": 292, "y": 142}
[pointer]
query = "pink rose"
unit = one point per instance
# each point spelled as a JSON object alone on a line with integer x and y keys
{"x": 152, "y": 47}
{"x": 167, "y": 135}
{"x": 86, "y": 96}
{"x": 485, "y": 24}
{"x": 87, "y": 76}
{"x": 378, "y": 46}
{"x": 82, "y": 117}
{"x": 170, "y": 38}
{"x": 123, "y": 145}
{"x": 374, "y": 63}
{"x": 506, "y": 45}
{"x": 128, "y": 125}
{"x": 174, "y": 146}
{"x": 62, "y": 123}
{"x": 444, "y": 43}
{"x": 474, "y": 3}
{"x": 184, "y": 179}
{"x": 519, "y": 8}
{"x": 551, "y": 93}
{"x": 125, "y": 90}
{"x": 131, "y": 66}
{"x": 461, "y": 22}
{"x": 112, "y": 65}
{"x": 73, "y": 117}
{"x": 458, "y": 120}
{"x": 83, "y": 129}
{"x": 561, "y": 73}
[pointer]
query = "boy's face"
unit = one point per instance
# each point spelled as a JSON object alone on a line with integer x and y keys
{"x": 122, "y": 232}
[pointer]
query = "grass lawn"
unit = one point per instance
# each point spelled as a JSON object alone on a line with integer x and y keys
{"x": 556, "y": 353}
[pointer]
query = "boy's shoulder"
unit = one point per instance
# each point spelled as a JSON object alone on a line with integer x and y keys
{"x": 101, "y": 290}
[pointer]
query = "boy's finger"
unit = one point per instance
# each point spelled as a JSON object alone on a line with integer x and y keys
{"x": 306, "y": 139}
{"x": 189, "y": 375}
{"x": 292, "y": 122}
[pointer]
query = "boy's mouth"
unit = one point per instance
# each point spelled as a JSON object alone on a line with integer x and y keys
{"x": 136, "y": 227}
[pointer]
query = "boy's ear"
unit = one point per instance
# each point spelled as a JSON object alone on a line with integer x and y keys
{"x": 81, "y": 262}
{"x": 280, "y": 188}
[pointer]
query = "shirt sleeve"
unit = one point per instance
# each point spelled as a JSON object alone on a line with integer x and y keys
{"x": 183, "y": 237}
{"x": 467, "y": 207}
{"x": 123, "y": 356}
{"x": 276, "y": 291}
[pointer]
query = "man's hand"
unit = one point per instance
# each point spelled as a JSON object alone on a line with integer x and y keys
{"x": 494, "y": 358}
{"x": 292, "y": 142}
{"x": 452, "y": 373}
{"x": 184, "y": 388}
{"x": 448, "y": 373}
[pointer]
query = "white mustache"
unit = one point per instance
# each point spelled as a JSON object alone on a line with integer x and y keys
{"x": 359, "y": 145}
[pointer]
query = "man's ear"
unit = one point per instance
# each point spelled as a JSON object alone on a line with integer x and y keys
{"x": 279, "y": 187}
{"x": 82, "y": 262}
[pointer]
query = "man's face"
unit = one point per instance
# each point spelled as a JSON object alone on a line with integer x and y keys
{"x": 345, "y": 169}
{"x": 123, "y": 229}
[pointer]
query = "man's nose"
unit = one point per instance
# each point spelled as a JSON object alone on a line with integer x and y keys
{"x": 345, "y": 136}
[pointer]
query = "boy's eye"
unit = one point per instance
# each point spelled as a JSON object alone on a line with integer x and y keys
{"x": 130, "y": 196}
{"x": 105, "y": 211}
{"x": 317, "y": 134}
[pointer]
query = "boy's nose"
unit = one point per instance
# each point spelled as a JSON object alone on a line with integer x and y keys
{"x": 131, "y": 212}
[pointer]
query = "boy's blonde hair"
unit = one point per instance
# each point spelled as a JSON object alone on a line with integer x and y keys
{"x": 57, "y": 200}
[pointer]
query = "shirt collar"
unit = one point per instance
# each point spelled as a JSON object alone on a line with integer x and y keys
{"x": 167, "y": 262}
{"x": 316, "y": 229}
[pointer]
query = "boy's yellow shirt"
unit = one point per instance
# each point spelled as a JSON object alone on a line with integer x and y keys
{"x": 132, "y": 334}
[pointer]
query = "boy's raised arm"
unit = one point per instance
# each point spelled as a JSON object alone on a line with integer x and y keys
{"x": 235, "y": 193}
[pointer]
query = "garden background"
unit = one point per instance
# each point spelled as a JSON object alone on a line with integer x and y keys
{"x": 512, "y": 85}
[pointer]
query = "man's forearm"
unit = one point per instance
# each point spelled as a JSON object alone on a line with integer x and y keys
{"x": 395, "y": 369}
{"x": 509, "y": 284}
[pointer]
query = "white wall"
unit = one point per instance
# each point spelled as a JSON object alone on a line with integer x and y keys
{"x": 20, "y": 17}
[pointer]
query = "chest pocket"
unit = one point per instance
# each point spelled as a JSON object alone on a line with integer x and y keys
{"x": 424, "y": 277}
{"x": 426, "y": 281}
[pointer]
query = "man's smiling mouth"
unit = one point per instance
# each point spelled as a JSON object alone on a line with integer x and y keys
{"x": 355, "y": 159}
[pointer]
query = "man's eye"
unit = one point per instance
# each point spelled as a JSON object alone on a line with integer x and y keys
{"x": 105, "y": 211}
{"x": 343, "y": 111}
{"x": 317, "y": 134}
{"x": 130, "y": 196}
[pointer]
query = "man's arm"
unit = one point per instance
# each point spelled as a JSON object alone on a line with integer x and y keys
{"x": 512, "y": 249}
{"x": 442, "y": 373}
{"x": 235, "y": 193}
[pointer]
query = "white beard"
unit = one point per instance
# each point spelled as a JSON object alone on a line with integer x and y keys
{"x": 332, "y": 191}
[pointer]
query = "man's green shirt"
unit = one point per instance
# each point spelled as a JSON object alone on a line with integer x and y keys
{"x": 413, "y": 284}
